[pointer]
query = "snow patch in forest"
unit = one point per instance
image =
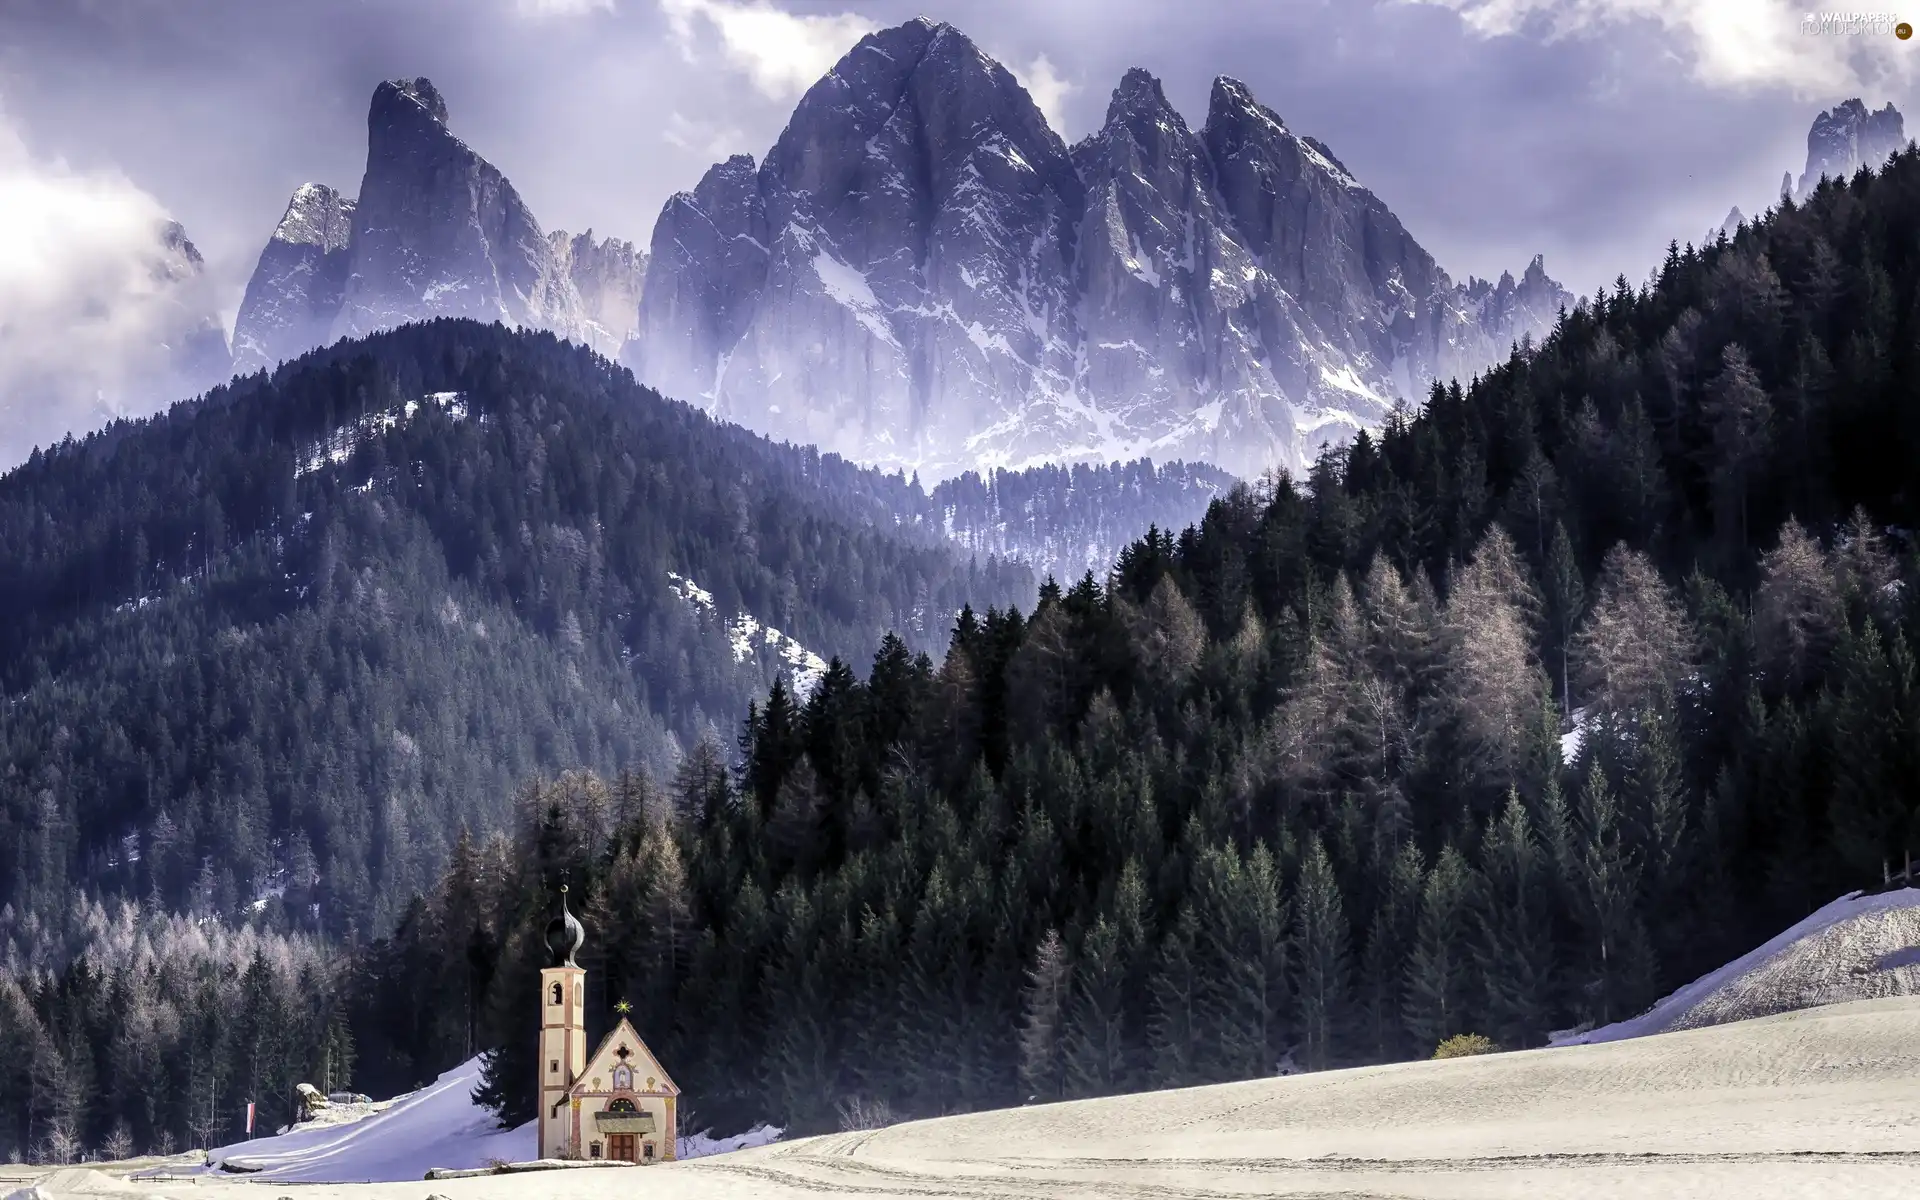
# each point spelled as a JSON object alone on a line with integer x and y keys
{"x": 801, "y": 666}
{"x": 1573, "y": 739}
{"x": 690, "y": 591}
{"x": 259, "y": 903}
{"x": 1856, "y": 948}
{"x": 337, "y": 447}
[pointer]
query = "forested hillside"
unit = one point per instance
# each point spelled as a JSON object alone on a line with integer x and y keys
{"x": 277, "y": 648}
{"x": 1575, "y": 684}
{"x": 1581, "y": 680}
{"x": 1064, "y": 521}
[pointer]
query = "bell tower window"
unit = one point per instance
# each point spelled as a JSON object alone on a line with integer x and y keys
{"x": 559, "y": 994}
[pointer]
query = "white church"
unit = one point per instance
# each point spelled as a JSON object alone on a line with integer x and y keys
{"x": 617, "y": 1103}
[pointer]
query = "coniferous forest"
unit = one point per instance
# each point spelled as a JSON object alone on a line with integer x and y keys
{"x": 1575, "y": 683}
{"x": 279, "y": 647}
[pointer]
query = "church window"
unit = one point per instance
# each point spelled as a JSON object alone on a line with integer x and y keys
{"x": 623, "y": 1105}
{"x": 593, "y": 1149}
{"x": 558, "y": 995}
{"x": 647, "y": 1153}
{"x": 553, "y": 1066}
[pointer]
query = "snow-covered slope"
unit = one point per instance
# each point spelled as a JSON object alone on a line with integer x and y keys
{"x": 401, "y": 1139}
{"x": 1858, "y": 947}
{"x": 437, "y": 1126}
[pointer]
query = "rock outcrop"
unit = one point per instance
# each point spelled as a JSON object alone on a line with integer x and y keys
{"x": 436, "y": 231}
{"x": 294, "y": 295}
{"x": 609, "y": 277}
{"x": 1848, "y": 137}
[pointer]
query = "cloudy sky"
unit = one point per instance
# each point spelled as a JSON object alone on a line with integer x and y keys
{"x": 1588, "y": 130}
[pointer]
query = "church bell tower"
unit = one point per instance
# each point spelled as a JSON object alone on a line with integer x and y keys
{"x": 563, "y": 1032}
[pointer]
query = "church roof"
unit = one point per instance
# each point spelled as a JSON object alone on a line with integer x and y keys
{"x": 623, "y": 1036}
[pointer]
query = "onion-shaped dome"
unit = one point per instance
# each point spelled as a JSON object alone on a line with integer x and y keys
{"x": 564, "y": 934}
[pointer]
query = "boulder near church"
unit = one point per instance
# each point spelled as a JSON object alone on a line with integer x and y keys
{"x": 616, "y": 1103}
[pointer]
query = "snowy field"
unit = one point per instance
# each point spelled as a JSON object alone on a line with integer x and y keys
{"x": 1734, "y": 1086}
{"x": 1820, "y": 1103}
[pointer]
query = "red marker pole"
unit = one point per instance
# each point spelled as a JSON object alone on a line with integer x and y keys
{"x": 249, "y": 1118}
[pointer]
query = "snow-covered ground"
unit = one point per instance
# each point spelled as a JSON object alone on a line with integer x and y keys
{"x": 1821, "y": 1103}
{"x": 1858, "y": 947}
{"x": 437, "y": 1126}
{"x": 1573, "y": 739}
{"x": 402, "y": 1138}
{"x": 1734, "y": 1086}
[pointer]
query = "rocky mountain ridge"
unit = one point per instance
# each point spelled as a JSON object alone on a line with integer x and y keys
{"x": 436, "y": 230}
{"x": 922, "y": 275}
{"x": 1847, "y": 137}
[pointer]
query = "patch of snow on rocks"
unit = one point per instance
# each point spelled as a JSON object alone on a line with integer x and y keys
{"x": 850, "y": 289}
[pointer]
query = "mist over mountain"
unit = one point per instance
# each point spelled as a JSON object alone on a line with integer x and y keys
{"x": 108, "y": 312}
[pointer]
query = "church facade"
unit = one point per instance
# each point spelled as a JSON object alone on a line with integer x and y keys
{"x": 617, "y": 1103}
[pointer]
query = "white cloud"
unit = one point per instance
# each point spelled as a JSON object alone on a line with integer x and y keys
{"x": 713, "y": 139}
{"x": 783, "y": 53}
{"x": 561, "y": 8}
{"x": 1048, "y": 89}
{"x": 93, "y": 304}
{"x": 1729, "y": 43}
